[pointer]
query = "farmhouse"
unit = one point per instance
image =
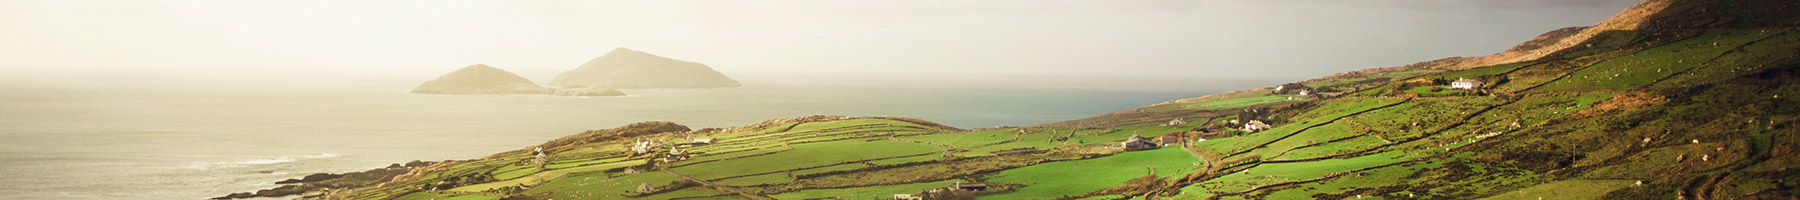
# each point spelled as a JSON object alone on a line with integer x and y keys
{"x": 646, "y": 188}
{"x": 643, "y": 146}
{"x": 1255, "y": 125}
{"x": 1136, "y": 142}
{"x": 1177, "y": 122}
{"x": 701, "y": 141}
{"x": 968, "y": 186}
{"x": 1465, "y": 84}
{"x": 906, "y": 197}
{"x": 1169, "y": 140}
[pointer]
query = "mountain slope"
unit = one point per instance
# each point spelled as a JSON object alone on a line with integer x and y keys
{"x": 629, "y": 69}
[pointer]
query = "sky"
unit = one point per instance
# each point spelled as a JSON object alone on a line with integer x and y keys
{"x": 1295, "y": 39}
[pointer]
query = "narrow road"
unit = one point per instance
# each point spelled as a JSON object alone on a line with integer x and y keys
{"x": 723, "y": 189}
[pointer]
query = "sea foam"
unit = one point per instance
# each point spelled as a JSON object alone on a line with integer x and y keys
{"x": 255, "y": 162}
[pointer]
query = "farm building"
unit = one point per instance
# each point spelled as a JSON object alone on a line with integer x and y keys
{"x": 968, "y": 186}
{"x": 1255, "y": 125}
{"x": 701, "y": 141}
{"x": 906, "y": 197}
{"x": 1169, "y": 140}
{"x": 646, "y": 188}
{"x": 1177, "y": 122}
{"x": 1136, "y": 142}
{"x": 643, "y": 146}
{"x": 1465, "y": 84}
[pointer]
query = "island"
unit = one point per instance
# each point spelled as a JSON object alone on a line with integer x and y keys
{"x": 484, "y": 79}
{"x": 630, "y": 69}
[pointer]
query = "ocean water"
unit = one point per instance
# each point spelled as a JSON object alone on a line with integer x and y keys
{"x": 128, "y": 136}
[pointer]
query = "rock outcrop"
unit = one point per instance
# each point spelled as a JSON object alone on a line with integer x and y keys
{"x": 628, "y": 69}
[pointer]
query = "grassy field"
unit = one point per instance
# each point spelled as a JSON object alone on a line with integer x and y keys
{"x": 875, "y": 192}
{"x": 806, "y": 155}
{"x": 1052, "y": 180}
{"x": 598, "y": 186}
{"x": 1242, "y": 102}
{"x": 544, "y": 176}
{"x": 439, "y": 196}
{"x": 1441, "y": 91}
{"x": 1642, "y": 68}
{"x": 1567, "y": 189}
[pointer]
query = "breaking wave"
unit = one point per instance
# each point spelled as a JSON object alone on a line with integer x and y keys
{"x": 255, "y": 162}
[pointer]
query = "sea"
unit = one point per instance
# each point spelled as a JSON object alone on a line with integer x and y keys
{"x": 161, "y": 135}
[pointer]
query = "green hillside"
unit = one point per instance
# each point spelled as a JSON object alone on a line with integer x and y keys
{"x": 1678, "y": 107}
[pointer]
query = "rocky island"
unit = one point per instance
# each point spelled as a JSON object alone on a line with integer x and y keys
{"x": 483, "y": 79}
{"x": 629, "y": 69}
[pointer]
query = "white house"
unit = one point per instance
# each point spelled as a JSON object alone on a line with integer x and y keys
{"x": 1465, "y": 84}
{"x": 1177, "y": 122}
{"x": 1255, "y": 125}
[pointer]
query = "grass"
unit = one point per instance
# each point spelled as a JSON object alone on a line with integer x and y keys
{"x": 1442, "y": 91}
{"x": 1274, "y": 173}
{"x": 544, "y": 176}
{"x": 805, "y": 155}
{"x": 1331, "y": 110}
{"x": 969, "y": 139}
{"x": 842, "y": 167}
{"x": 596, "y": 186}
{"x": 903, "y": 160}
{"x": 1565, "y": 189}
{"x": 771, "y": 178}
{"x": 1778, "y": 49}
{"x": 1641, "y": 68}
{"x": 1244, "y": 102}
{"x": 440, "y": 196}
{"x": 1056, "y": 179}
{"x": 1479, "y": 71}
{"x": 872, "y": 192}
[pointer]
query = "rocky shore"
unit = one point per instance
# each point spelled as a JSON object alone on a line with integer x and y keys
{"x": 320, "y": 184}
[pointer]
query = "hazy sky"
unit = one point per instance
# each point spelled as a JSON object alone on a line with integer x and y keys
{"x": 1239, "y": 38}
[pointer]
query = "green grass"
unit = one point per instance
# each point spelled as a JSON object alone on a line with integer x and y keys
{"x": 903, "y": 160}
{"x": 806, "y": 155}
{"x": 1565, "y": 189}
{"x": 872, "y": 192}
{"x": 1641, "y": 68}
{"x": 516, "y": 173}
{"x": 1275, "y": 173}
{"x": 547, "y": 175}
{"x": 1443, "y": 91}
{"x": 596, "y": 186}
{"x": 842, "y": 167}
{"x": 1056, "y": 179}
{"x": 1778, "y": 49}
{"x": 580, "y": 163}
{"x": 968, "y": 139}
{"x": 756, "y": 180}
{"x": 1479, "y": 71}
{"x": 1244, "y": 102}
{"x": 1368, "y": 80}
{"x": 1330, "y": 110}
{"x": 1373, "y": 178}
{"x": 686, "y": 192}
{"x": 438, "y": 196}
